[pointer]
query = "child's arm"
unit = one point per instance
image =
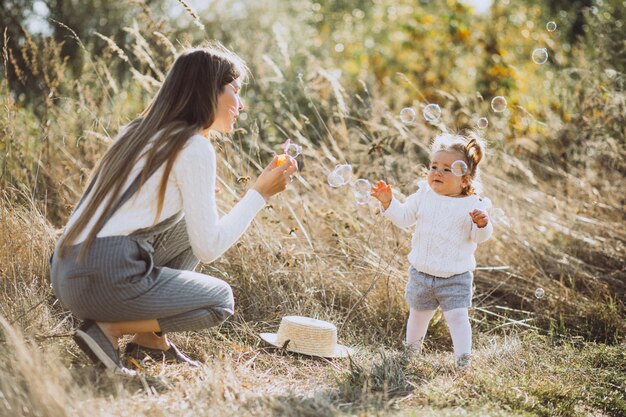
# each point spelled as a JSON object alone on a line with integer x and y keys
{"x": 401, "y": 214}
{"x": 481, "y": 226}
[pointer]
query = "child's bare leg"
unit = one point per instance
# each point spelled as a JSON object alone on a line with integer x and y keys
{"x": 460, "y": 330}
{"x": 416, "y": 328}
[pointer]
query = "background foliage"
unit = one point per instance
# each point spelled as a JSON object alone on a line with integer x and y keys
{"x": 333, "y": 76}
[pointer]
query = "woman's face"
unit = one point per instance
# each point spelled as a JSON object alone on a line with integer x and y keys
{"x": 229, "y": 105}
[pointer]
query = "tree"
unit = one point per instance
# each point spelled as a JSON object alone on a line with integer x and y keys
{"x": 69, "y": 21}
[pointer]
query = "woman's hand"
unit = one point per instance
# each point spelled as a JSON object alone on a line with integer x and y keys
{"x": 382, "y": 192}
{"x": 274, "y": 178}
{"x": 479, "y": 217}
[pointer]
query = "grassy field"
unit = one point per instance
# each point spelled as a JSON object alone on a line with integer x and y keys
{"x": 333, "y": 77}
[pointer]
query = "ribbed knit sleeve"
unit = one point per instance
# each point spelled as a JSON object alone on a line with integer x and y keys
{"x": 195, "y": 173}
{"x": 404, "y": 214}
{"x": 481, "y": 234}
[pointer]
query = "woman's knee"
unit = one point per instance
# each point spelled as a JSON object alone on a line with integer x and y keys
{"x": 224, "y": 306}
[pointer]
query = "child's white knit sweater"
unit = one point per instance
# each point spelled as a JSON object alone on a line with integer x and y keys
{"x": 445, "y": 237}
{"x": 190, "y": 190}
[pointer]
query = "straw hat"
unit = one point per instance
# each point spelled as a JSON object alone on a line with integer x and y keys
{"x": 308, "y": 336}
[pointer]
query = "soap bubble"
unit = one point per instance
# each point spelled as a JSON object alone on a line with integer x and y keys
{"x": 334, "y": 180}
{"x": 459, "y": 168}
{"x": 362, "y": 186}
{"x": 551, "y": 26}
{"x": 362, "y": 199}
{"x": 290, "y": 151}
{"x": 361, "y": 189}
{"x": 539, "y": 293}
{"x": 432, "y": 112}
{"x": 482, "y": 123}
{"x": 293, "y": 150}
{"x": 407, "y": 115}
{"x": 540, "y": 56}
{"x": 344, "y": 172}
{"x": 340, "y": 176}
{"x": 498, "y": 104}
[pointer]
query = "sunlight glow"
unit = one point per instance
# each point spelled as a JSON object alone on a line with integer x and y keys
{"x": 481, "y": 6}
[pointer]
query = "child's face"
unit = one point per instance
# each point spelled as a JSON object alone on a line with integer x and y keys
{"x": 440, "y": 176}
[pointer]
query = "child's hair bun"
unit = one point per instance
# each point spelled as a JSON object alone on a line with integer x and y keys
{"x": 474, "y": 149}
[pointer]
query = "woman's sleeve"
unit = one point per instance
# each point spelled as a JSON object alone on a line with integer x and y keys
{"x": 210, "y": 236}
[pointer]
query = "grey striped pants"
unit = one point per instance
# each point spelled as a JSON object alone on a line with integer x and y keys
{"x": 141, "y": 277}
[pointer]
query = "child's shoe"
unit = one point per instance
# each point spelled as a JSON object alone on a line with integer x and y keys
{"x": 463, "y": 361}
{"x": 410, "y": 351}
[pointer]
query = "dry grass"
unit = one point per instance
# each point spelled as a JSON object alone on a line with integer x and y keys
{"x": 313, "y": 252}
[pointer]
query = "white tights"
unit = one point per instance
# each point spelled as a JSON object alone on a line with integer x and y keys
{"x": 458, "y": 323}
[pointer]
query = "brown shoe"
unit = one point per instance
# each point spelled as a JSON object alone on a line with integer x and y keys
{"x": 144, "y": 354}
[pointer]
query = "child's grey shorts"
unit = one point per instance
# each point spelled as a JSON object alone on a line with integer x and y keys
{"x": 426, "y": 292}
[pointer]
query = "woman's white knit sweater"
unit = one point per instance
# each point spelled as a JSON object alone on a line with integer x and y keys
{"x": 190, "y": 190}
{"x": 445, "y": 237}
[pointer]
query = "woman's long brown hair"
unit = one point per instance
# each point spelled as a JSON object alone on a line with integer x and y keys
{"x": 185, "y": 104}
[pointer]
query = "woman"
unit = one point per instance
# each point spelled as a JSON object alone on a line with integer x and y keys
{"x": 125, "y": 261}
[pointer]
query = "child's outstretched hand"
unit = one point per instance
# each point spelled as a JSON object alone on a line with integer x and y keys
{"x": 479, "y": 217}
{"x": 382, "y": 192}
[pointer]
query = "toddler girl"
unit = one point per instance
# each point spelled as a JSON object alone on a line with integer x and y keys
{"x": 450, "y": 220}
